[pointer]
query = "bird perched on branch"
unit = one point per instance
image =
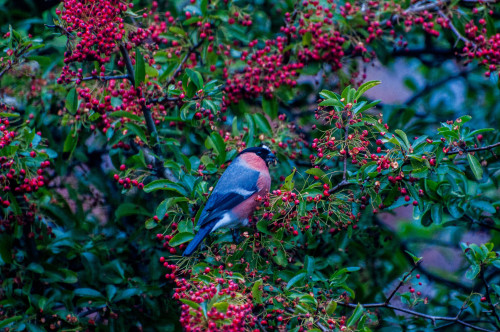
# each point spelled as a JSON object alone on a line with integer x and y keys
{"x": 233, "y": 199}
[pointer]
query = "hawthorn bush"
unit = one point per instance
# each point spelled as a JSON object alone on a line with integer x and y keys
{"x": 118, "y": 117}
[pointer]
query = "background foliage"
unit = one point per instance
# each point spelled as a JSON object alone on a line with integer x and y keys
{"x": 117, "y": 119}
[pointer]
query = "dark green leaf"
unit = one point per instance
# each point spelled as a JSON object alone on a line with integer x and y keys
{"x": 72, "y": 101}
{"x": 140, "y": 68}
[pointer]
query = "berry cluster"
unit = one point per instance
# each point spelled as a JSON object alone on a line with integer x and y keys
{"x": 236, "y": 316}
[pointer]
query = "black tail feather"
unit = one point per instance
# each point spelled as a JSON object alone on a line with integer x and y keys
{"x": 198, "y": 238}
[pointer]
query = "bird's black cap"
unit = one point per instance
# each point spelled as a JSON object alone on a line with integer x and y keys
{"x": 262, "y": 151}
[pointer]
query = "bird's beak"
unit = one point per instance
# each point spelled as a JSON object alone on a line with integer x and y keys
{"x": 271, "y": 159}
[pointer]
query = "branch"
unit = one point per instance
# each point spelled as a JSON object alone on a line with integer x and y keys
{"x": 339, "y": 186}
{"x": 401, "y": 283}
{"x": 128, "y": 63}
{"x": 455, "y": 31}
{"x": 488, "y": 297}
{"x": 102, "y": 78}
{"x": 286, "y": 56}
{"x": 430, "y": 87}
{"x": 179, "y": 67}
{"x": 150, "y": 124}
{"x": 488, "y": 147}
{"x": 455, "y": 319}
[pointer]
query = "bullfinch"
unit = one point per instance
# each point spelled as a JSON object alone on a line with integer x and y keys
{"x": 233, "y": 199}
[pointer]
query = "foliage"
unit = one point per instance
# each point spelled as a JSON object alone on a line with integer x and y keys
{"x": 117, "y": 118}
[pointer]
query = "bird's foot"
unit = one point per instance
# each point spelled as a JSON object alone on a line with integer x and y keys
{"x": 237, "y": 238}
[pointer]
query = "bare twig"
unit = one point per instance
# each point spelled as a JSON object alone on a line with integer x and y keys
{"x": 484, "y": 148}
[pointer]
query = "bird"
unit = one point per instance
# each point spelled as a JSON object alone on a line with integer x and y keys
{"x": 233, "y": 199}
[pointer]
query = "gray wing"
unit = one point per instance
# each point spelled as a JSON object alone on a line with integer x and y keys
{"x": 236, "y": 184}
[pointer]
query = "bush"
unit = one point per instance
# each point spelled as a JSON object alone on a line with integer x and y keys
{"x": 117, "y": 119}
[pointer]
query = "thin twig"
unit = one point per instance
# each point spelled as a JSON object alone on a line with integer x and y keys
{"x": 179, "y": 67}
{"x": 430, "y": 87}
{"x": 401, "y": 283}
{"x": 150, "y": 125}
{"x": 454, "y": 29}
{"x": 416, "y": 313}
{"x": 102, "y": 78}
{"x": 484, "y": 148}
{"x": 488, "y": 297}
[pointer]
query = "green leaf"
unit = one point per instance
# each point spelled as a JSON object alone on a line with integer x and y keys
{"x": 151, "y": 72}
{"x": 126, "y": 294}
{"x": 72, "y": 101}
{"x": 192, "y": 304}
{"x": 177, "y": 30}
{"x": 130, "y": 209}
{"x": 295, "y": 279}
{"x": 125, "y": 114}
{"x": 9, "y": 320}
{"x": 331, "y": 102}
{"x": 415, "y": 258}
{"x": 472, "y": 272}
{"x": 195, "y": 77}
{"x": 140, "y": 68}
{"x": 356, "y": 315}
{"x": 270, "y": 107}
{"x": 365, "y": 87}
{"x": 330, "y": 308}
{"x": 87, "y": 292}
{"x": 257, "y": 291}
{"x": 164, "y": 184}
{"x": 70, "y": 142}
{"x": 319, "y": 173}
{"x": 484, "y": 206}
{"x": 180, "y": 238}
{"x": 150, "y": 223}
{"x": 325, "y": 94}
{"x": 436, "y": 213}
{"x": 263, "y": 124}
{"x": 289, "y": 184}
{"x": 475, "y": 166}
{"x": 403, "y": 136}
{"x": 216, "y": 142}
